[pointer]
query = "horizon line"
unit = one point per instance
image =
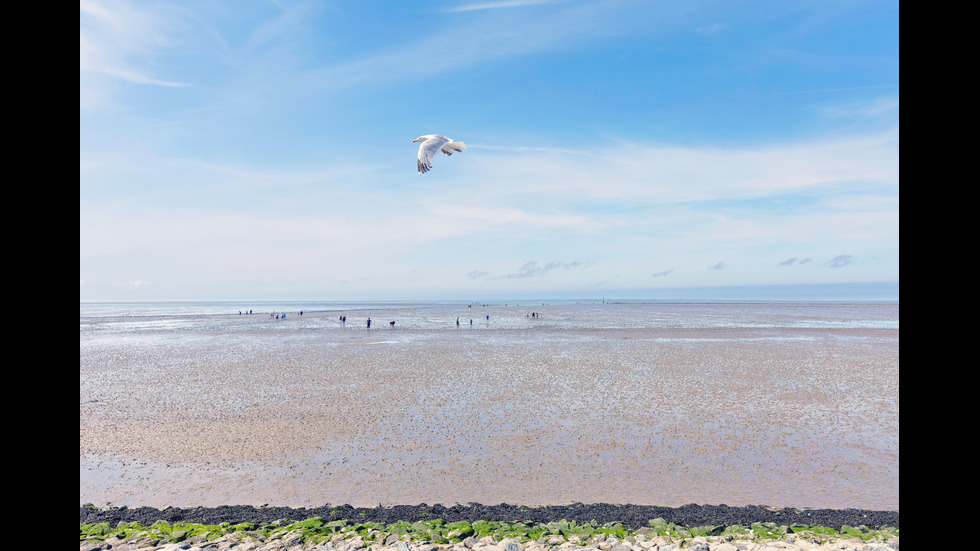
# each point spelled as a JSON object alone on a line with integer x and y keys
{"x": 727, "y": 293}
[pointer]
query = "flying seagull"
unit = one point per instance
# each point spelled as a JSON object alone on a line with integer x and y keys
{"x": 432, "y": 144}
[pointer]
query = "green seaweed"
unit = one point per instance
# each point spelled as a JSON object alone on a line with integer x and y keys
{"x": 162, "y": 526}
{"x": 96, "y": 530}
{"x": 400, "y": 528}
{"x": 435, "y": 530}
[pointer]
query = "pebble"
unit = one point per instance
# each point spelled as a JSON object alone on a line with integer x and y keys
{"x": 293, "y": 542}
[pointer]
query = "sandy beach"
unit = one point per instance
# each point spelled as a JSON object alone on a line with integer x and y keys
{"x": 307, "y": 411}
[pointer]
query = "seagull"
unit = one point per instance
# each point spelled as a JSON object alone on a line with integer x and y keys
{"x": 432, "y": 144}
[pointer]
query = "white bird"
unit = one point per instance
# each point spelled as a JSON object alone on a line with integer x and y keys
{"x": 432, "y": 144}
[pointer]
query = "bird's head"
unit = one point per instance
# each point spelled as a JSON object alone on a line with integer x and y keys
{"x": 420, "y": 138}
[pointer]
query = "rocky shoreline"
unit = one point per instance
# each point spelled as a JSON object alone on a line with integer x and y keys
{"x": 476, "y": 527}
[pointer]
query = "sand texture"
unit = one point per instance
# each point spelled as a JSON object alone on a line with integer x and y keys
{"x": 307, "y": 411}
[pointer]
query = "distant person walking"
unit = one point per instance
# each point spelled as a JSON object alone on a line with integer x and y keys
{"x": 369, "y": 323}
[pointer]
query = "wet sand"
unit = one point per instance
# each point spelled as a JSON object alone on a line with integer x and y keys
{"x": 782, "y": 416}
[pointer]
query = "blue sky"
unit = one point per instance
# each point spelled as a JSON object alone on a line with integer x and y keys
{"x": 262, "y": 150}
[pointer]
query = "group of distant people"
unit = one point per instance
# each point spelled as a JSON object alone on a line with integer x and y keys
{"x": 277, "y": 315}
{"x": 343, "y": 318}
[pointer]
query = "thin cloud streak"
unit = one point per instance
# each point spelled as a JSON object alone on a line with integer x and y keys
{"x": 794, "y": 260}
{"x": 842, "y": 260}
{"x": 116, "y": 37}
{"x": 670, "y": 174}
{"x": 504, "y": 4}
{"x": 473, "y": 43}
{"x": 533, "y": 269}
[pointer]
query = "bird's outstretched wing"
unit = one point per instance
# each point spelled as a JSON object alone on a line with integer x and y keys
{"x": 453, "y": 146}
{"x": 428, "y": 151}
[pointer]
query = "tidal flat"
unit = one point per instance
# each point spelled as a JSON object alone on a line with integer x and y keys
{"x": 789, "y": 405}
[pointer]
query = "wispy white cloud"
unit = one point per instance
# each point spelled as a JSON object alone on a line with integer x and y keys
{"x": 131, "y": 285}
{"x": 828, "y": 90}
{"x": 535, "y": 269}
{"x": 473, "y": 42}
{"x": 875, "y": 107}
{"x": 118, "y": 38}
{"x": 663, "y": 173}
{"x": 795, "y": 261}
{"x": 501, "y": 4}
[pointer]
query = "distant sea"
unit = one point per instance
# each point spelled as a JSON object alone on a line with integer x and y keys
{"x": 860, "y": 293}
{"x": 514, "y": 314}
